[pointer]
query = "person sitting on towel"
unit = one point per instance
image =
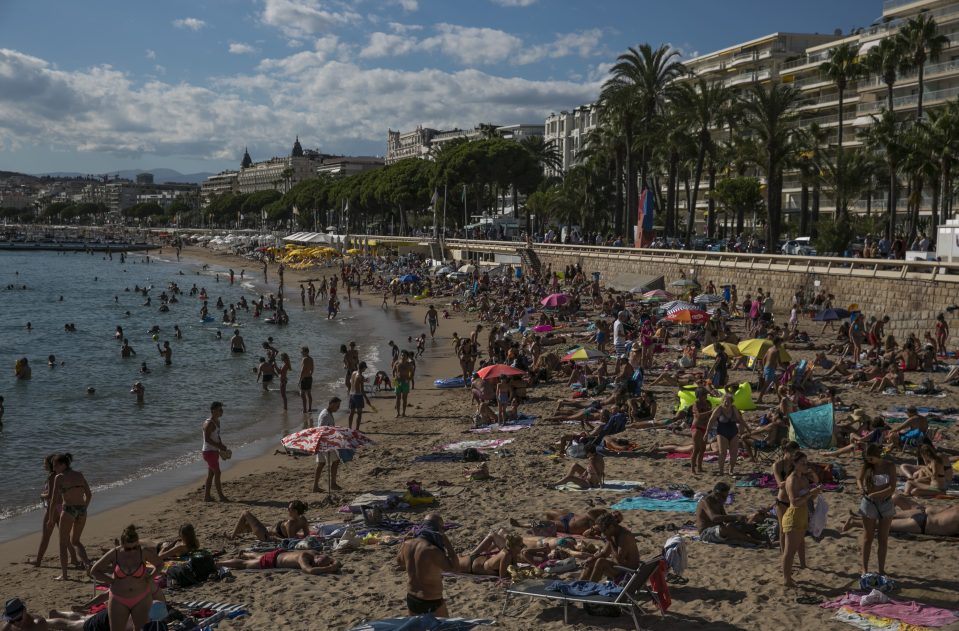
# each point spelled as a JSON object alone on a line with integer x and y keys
{"x": 589, "y": 477}
{"x": 494, "y": 555}
{"x": 715, "y": 526}
{"x": 307, "y": 561}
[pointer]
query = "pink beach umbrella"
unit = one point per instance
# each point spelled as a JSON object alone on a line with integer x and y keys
{"x": 324, "y": 439}
{"x": 543, "y": 328}
{"x": 555, "y": 300}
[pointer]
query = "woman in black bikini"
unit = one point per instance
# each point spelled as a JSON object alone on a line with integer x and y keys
{"x": 72, "y": 494}
{"x": 131, "y": 590}
{"x": 781, "y": 470}
{"x": 295, "y": 527}
{"x": 185, "y": 544}
{"x": 729, "y": 423}
{"x": 51, "y": 511}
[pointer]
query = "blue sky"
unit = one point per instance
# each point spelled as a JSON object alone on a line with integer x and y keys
{"x": 99, "y": 85}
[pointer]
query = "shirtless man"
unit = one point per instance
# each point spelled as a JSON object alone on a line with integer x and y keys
{"x": 306, "y": 380}
{"x": 237, "y": 345}
{"x": 771, "y": 361}
{"x": 358, "y": 398}
{"x": 351, "y": 359}
{"x": 166, "y": 353}
{"x": 425, "y": 558}
{"x": 307, "y": 561}
{"x": 433, "y": 319}
{"x": 620, "y": 550}
{"x": 126, "y": 350}
{"x": 715, "y": 526}
{"x": 403, "y": 373}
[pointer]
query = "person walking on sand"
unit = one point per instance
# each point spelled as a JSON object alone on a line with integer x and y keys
{"x": 424, "y": 558}
{"x": 433, "y": 320}
{"x": 330, "y": 459}
{"x": 306, "y": 380}
{"x": 213, "y": 450}
{"x": 358, "y": 398}
{"x": 403, "y": 374}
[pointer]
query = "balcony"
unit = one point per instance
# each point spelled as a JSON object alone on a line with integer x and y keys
{"x": 748, "y": 77}
{"x": 818, "y": 58}
{"x": 931, "y": 71}
{"x": 909, "y": 102}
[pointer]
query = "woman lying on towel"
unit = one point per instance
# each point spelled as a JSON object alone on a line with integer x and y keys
{"x": 565, "y": 522}
{"x": 493, "y": 556}
{"x": 296, "y": 527}
{"x": 307, "y": 561}
{"x": 914, "y": 518}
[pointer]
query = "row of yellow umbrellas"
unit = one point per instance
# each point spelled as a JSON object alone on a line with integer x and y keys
{"x": 755, "y": 347}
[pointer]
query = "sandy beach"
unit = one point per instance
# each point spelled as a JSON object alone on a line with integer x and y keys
{"x": 728, "y": 587}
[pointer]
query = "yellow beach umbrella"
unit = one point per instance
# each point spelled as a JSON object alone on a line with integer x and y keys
{"x": 757, "y": 347}
{"x": 731, "y": 349}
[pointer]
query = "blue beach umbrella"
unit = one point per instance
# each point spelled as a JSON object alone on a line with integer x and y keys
{"x": 409, "y": 278}
{"x": 828, "y": 315}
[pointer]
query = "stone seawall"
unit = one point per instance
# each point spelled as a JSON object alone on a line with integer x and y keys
{"x": 912, "y": 305}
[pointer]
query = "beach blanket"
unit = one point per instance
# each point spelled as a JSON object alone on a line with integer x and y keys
{"x": 907, "y": 611}
{"x": 425, "y": 622}
{"x": 618, "y": 486}
{"x": 813, "y": 428}
{"x": 523, "y": 422}
{"x": 650, "y": 504}
{"x": 491, "y": 443}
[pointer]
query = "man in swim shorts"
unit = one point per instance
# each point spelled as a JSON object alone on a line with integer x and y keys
{"x": 425, "y": 558}
{"x": 237, "y": 345}
{"x": 403, "y": 373}
{"x": 358, "y": 398}
{"x": 433, "y": 319}
{"x": 306, "y": 380}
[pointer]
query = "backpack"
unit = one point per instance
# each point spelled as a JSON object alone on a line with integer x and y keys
{"x": 202, "y": 565}
{"x": 182, "y": 576}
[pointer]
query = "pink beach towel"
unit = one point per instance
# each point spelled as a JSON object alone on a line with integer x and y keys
{"x": 908, "y": 611}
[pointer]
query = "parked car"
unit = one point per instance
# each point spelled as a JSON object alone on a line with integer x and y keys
{"x": 801, "y": 246}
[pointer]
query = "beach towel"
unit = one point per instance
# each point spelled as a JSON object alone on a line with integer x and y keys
{"x": 813, "y": 428}
{"x": 523, "y": 422}
{"x": 908, "y": 611}
{"x": 491, "y": 443}
{"x": 452, "y": 382}
{"x": 650, "y": 504}
{"x": 584, "y": 588}
{"x": 425, "y": 622}
{"x": 618, "y": 486}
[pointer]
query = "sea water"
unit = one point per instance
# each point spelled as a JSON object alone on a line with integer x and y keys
{"x": 114, "y": 440}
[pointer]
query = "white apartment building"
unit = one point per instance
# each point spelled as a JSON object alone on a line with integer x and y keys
{"x": 347, "y": 165}
{"x": 219, "y": 184}
{"x": 568, "y": 132}
{"x": 423, "y": 141}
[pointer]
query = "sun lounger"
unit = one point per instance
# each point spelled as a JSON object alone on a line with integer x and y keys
{"x": 634, "y": 591}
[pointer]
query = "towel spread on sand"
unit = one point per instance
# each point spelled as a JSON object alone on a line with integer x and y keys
{"x": 907, "y": 611}
{"x": 650, "y": 504}
{"x": 491, "y": 443}
{"x": 619, "y": 486}
{"x": 425, "y": 622}
{"x": 523, "y": 422}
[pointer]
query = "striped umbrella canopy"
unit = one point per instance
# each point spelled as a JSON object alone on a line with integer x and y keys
{"x": 313, "y": 440}
{"x": 678, "y": 305}
{"x": 658, "y": 293}
{"x": 688, "y": 316}
{"x": 705, "y": 299}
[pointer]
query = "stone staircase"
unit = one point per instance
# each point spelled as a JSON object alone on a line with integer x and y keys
{"x": 530, "y": 261}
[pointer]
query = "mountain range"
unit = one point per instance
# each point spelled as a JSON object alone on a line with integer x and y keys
{"x": 160, "y": 176}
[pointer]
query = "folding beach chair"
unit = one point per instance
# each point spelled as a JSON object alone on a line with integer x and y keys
{"x": 634, "y": 590}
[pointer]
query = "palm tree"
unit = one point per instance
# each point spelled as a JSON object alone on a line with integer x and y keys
{"x": 885, "y": 60}
{"x": 702, "y": 105}
{"x": 770, "y": 113}
{"x": 884, "y": 137}
{"x": 808, "y": 161}
{"x": 921, "y": 42}
{"x": 943, "y": 131}
{"x": 546, "y": 154}
{"x": 633, "y": 95}
{"x": 841, "y": 68}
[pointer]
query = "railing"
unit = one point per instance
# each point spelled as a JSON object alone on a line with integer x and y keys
{"x": 824, "y": 265}
{"x": 806, "y": 60}
{"x": 929, "y": 72}
{"x": 928, "y": 98}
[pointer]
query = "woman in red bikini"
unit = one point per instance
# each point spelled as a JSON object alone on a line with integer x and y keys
{"x": 699, "y": 413}
{"x": 131, "y": 586}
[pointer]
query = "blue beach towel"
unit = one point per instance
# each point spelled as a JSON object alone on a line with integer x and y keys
{"x": 584, "y": 588}
{"x": 426, "y": 622}
{"x": 650, "y": 504}
{"x": 452, "y": 382}
{"x": 812, "y": 428}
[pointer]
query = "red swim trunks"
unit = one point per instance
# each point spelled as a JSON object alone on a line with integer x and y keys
{"x": 212, "y": 458}
{"x": 268, "y": 560}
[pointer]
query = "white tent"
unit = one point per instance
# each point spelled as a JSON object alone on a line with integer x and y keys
{"x": 308, "y": 237}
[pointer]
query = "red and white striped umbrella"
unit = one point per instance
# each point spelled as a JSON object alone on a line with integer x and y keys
{"x": 314, "y": 440}
{"x": 678, "y": 305}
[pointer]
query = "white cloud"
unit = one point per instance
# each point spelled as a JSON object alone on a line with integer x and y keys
{"x": 100, "y": 109}
{"x": 239, "y": 48}
{"x": 472, "y": 46}
{"x": 151, "y": 54}
{"x": 514, "y": 3}
{"x": 300, "y": 18}
{"x": 192, "y": 24}
{"x": 161, "y": 70}
{"x": 408, "y": 5}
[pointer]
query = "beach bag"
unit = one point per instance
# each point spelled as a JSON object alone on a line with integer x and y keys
{"x": 182, "y": 576}
{"x": 202, "y": 565}
{"x": 605, "y": 611}
{"x": 372, "y": 515}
